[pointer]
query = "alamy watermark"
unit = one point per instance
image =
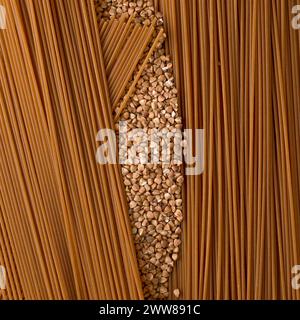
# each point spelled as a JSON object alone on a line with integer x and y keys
{"x": 296, "y": 18}
{"x": 154, "y": 146}
{"x": 2, "y": 278}
{"x": 2, "y": 17}
{"x": 296, "y": 278}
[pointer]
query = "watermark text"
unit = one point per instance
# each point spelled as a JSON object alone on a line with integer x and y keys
{"x": 296, "y": 18}
{"x": 2, "y": 278}
{"x": 155, "y": 146}
{"x": 2, "y": 17}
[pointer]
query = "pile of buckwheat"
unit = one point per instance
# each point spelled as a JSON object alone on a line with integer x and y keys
{"x": 154, "y": 190}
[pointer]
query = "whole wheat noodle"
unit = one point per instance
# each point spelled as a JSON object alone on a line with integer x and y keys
{"x": 64, "y": 227}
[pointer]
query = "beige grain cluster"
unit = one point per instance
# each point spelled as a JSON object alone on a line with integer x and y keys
{"x": 144, "y": 10}
{"x": 154, "y": 191}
